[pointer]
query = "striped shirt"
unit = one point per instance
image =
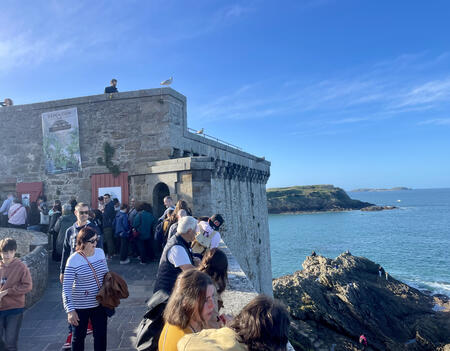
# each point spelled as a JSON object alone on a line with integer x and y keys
{"x": 79, "y": 286}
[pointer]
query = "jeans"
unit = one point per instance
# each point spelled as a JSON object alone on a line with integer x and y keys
{"x": 99, "y": 325}
{"x": 9, "y": 330}
{"x": 36, "y": 228}
{"x": 109, "y": 238}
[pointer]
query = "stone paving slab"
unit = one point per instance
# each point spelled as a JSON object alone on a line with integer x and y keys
{"x": 45, "y": 327}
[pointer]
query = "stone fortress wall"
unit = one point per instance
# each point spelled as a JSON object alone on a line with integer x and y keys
{"x": 148, "y": 130}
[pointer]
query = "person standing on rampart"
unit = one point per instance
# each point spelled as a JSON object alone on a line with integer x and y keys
{"x": 112, "y": 88}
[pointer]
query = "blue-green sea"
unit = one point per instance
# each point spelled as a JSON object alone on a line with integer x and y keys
{"x": 412, "y": 243}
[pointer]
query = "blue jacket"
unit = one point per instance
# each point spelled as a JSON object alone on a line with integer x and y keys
{"x": 121, "y": 225}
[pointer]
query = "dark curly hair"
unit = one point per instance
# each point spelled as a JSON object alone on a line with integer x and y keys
{"x": 262, "y": 325}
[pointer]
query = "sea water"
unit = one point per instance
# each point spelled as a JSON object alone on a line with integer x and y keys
{"x": 412, "y": 243}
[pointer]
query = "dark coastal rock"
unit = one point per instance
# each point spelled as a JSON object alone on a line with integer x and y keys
{"x": 333, "y": 302}
{"x": 311, "y": 198}
{"x": 378, "y": 208}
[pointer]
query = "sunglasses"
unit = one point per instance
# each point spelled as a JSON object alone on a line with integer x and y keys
{"x": 83, "y": 212}
{"x": 93, "y": 241}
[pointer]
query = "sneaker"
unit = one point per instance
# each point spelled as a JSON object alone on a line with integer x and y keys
{"x": 68, "y": 343}
{"x": 125, "y": 262}
{"x": 89, "y": 328}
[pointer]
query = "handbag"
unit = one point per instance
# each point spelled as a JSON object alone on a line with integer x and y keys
{"x": 109, "y": 311}
{"x": 134, "y": 232}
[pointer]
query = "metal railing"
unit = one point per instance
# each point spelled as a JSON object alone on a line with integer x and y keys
{"x": 210, "y": 137}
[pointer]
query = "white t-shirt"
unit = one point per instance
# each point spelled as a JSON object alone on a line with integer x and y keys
{"x": 178, "y": 256}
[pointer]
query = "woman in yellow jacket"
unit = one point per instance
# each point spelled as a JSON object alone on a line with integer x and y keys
{"x": 189, "y": 308}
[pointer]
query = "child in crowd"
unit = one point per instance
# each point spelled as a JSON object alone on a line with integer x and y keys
{"x": 15, "y": 283}
{"x": 189, "y": 309}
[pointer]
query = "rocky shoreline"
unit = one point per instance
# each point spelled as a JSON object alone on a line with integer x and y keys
{"x": 333, "y": 302}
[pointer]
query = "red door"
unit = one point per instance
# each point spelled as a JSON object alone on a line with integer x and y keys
{"x": 33, "y": 189}
{"x": 108, "y": 183}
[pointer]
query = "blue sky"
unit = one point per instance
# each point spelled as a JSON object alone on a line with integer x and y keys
{"x": 350, "y": 93}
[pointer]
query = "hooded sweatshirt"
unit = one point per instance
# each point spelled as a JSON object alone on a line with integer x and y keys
{"x": 223, "y": 339}
{"x": 15, "y": 278}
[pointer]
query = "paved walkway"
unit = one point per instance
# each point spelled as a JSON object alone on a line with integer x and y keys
{"x": 44, "y": 325}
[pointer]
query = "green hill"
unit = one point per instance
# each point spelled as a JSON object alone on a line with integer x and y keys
{"x": 311, "y": 198}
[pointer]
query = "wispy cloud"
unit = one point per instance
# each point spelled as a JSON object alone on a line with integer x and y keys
{"x": 365, "y": 95}
{"x": 436, "y": 121}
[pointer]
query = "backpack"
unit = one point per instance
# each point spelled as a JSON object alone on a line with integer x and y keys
{"x": 151, "y": 326}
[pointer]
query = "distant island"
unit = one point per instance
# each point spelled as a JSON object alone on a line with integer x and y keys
{"x": 364, "y": 190}
{"x": 311, "y": 198}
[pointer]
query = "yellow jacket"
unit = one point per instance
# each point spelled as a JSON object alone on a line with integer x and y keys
{"x": 169, "y": 337}
{"x": 223, "y": 339}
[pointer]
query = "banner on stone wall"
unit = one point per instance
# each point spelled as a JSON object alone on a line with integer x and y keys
{"x": 61, "y": 141}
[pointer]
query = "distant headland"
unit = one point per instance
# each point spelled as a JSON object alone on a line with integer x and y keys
{"x": 364, "y": 190}
{"x": 311, "y": 198}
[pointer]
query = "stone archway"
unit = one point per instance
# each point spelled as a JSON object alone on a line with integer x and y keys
{"x": 159, "y": 192}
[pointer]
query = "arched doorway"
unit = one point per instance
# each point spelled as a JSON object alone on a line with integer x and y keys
{"x": 159, "y": 192}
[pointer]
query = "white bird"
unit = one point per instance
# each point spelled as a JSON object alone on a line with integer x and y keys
{"x": 200, "y": 131}
{"x": 167, "y": 81}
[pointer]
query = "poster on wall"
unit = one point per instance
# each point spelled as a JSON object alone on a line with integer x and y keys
{"x": 26, "y": 200}
{"x": 114, "y": 191}
{"x": 61, "y": 141}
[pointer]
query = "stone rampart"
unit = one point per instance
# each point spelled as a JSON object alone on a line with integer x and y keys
{"x": 158, "y": 156}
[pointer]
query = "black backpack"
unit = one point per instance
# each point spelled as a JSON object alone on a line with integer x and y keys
{"x": 151, "y": 326}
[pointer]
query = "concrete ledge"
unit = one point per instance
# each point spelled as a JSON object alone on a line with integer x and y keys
{"x": 96, "y": 98}
{"x": 240, "y": 290}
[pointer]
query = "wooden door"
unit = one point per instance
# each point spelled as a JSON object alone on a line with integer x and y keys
{"x": 109, "y": 183}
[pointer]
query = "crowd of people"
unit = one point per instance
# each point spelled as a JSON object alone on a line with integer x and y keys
{"x": 184, "y": 312}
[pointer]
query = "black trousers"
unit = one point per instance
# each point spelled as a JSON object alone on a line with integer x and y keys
{"x": 99, "y": 320}
{"x": 123, "y": 248}
{"x": 145, "y": 248}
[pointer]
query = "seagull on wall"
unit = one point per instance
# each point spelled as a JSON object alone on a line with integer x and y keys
{"x": 167, "y": 82}
{"x": 201, "y": 131}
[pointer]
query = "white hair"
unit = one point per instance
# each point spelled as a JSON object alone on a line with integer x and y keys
{"x": 186, "y": 223}
{"x": 182, "y": 213}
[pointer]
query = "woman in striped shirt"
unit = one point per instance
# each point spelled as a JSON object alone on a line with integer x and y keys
{"x": 80, "y": 287}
